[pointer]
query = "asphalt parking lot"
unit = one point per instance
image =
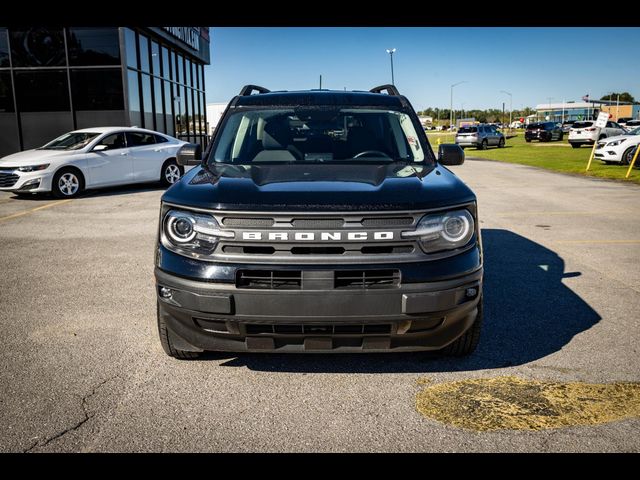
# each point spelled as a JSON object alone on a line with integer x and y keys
{"x": 81, "y": 367}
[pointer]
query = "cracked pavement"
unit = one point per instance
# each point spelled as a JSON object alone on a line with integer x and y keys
{"x": 82, "y": 370}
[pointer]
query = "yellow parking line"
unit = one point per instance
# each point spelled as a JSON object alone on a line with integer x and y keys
{"x": 41, "y": 207}
{"x": 578, "y": 242}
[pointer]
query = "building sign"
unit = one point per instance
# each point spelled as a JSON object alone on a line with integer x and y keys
{"x": 601, "y": 122}
{"x": 188, "y": 35}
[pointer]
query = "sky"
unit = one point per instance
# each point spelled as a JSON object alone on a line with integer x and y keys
{"x": 533, "y": 64}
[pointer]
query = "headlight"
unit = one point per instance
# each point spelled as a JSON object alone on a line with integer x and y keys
{"x": 33, "y": 168}
{"x": 616, "y": 142}
{"x": 443, "y": 231}
{"x": 190, "y": 233}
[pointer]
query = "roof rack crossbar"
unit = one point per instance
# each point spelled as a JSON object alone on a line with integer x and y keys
{"x": 249, "y": 89}
{"x": 390, "y": 89}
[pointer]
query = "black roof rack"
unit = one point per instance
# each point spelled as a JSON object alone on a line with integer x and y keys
{"x": 390, "y": 89}
{"x": 249, "y": 89}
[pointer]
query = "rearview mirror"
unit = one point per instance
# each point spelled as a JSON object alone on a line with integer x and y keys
{"x": 189, "y": 154}
{"x": 100, "y": 148}
{"x": 450, "y": 154}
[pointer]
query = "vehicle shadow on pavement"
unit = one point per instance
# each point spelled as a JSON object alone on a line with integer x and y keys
{"x": 529, "y": 314}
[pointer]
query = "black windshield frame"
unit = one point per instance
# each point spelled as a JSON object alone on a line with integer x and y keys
{"x": 429, "y": 156}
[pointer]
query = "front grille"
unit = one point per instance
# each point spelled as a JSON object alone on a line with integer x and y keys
{"x": 269, "y": 279}
{"x": 243, "y": 222}
{"x": 313, "y": 223}
{"x": 366, "y": 278}
{"x": 315, "y": 329}
{"x": 8, "y": 179}
{"x": 387, "y": 222}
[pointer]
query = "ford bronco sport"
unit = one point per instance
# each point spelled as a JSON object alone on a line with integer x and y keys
{"x": 319, "y": 221}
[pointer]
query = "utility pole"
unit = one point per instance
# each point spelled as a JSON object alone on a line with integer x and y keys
{"x": 451, "y": 103}
{"x": 320, "y": 82}
{"x": 617, "y": 107}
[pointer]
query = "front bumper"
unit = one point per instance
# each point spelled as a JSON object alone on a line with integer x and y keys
{"x": 413, "y": 316}
{"x": 16, "y": 181}
{"x": 582, "y": 141}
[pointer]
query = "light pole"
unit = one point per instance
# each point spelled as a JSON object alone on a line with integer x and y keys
{"x": 391, "y": 52}
{"x": 510, "y": 105}
{"x": 451, "y": 104}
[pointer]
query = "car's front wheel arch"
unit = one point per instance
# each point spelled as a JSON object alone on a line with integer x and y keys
{"x": 67, "y": 173}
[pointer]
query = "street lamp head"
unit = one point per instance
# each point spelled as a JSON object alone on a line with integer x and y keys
{"x": 391, "y": 51}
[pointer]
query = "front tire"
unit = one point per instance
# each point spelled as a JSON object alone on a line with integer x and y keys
{"x": 167, "y": 344}
{"x": 501, "y": 143}
{"x": 627, "y": 156}
{"x": 467, "y": 343}
{"x": 67, "y": 183}
{"x": 575, "y": 145}
{"x": 171, "y": 173}
{"x": 483, "y": 145}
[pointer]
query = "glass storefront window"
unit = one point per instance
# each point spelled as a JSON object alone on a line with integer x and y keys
{"x": 201, "y": 67}
{"x": 155, "y": 58}
{"x": 97, "y": 89}
{"x": 187, "y": 78}
{"x": 147, "y": 103}
{"x": 187, "y": 109}
{"x": 4, "y": 48}
{"x": 165, "y": 63}
{"x": 130, "y": 48}
{"x": 143, "y": 45}
{"x": 168, "y": 100}
{"x": 6, "y": 93}
{"x": 42, "y": 91}
{"x": 194, "y": 75}
{"x": 158, "y": 97}
{"x": 179, "y": 68}
{"x": 38, "y": 47}
{"x": 178, "y": 105}
{"x": 134, "y": 98}
{"x": 93, "y": 46}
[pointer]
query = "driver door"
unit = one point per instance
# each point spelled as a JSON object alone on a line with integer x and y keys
{"x": 111, "y": 165}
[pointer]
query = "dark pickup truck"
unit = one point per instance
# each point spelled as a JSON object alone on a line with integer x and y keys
{"x": 319, "y": 221}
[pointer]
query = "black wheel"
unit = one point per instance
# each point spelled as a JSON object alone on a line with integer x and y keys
{"x": 602, "y": 136}
{"x": 560, "y": 137}
{"x": 171, "y": 173}
{"x": 167, "y": 344}
{"x": 68, "y": 182}
{"x": 575, "y": 145}
{"x": 483, "y": 145}
{"x": 528, "y": 140}
{"x": 627, "y": 156}
{"x": 501, "y": 143}
{"x": 467, "y": 343}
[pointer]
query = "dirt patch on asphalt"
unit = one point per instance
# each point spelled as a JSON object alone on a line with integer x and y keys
{"x": 513, "y": 403}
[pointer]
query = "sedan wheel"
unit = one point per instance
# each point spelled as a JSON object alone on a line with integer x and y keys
{"x": 67, "y": 184}
{"x": 627, "y": 156}
{"x": 172, "y": 173}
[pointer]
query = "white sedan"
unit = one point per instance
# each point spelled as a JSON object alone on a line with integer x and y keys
{"x": 619, "y": 149}
{"x": 93, "y": 158}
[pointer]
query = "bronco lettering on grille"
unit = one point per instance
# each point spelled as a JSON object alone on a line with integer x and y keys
{"x": 317, "y": 236}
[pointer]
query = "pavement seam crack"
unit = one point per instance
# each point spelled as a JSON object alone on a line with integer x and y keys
{"x": 87, "y": 416}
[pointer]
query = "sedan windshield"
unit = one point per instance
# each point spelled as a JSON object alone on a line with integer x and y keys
{"x": 70, "y": 141}
{"x": 319, "y": 134}
{"x": 635, "y": 131}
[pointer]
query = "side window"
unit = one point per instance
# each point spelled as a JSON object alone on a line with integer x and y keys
{"x": 610, "y": 125}
{"x": 139, "y": 139}
{"x": 160, "y": 139}
{"x": 113, "y": 141}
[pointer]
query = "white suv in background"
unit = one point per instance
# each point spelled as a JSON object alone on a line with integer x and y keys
{"x": 619, "y": 149}
{"x": 586, "y": 133}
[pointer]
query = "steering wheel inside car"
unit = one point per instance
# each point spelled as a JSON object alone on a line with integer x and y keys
{"x": 372, "y": 153}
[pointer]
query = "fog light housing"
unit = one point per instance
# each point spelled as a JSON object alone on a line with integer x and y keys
{"x": 471, "y": 292}
{"x": 166, "y": 292}
{"x": 31, "y": 184}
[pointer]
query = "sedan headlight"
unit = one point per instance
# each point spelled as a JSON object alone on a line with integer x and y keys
{"x": 443, "y": 231}
{"x": 616, "y": 142}
{"x": 33, "y": 168}
{"x": 191, "y": 234}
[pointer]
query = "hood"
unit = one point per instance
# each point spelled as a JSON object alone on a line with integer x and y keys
{"x": 629, "y": 139}
{"x": 319, "y": 187}
{"x": 32, "y": 157}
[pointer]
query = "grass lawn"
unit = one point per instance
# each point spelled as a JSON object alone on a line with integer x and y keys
{"x": 558, "y": 156}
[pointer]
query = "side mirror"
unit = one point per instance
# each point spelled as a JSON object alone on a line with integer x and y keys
{"x": 189, "y": 154}
{"x": 100, "y": 148}
{"x": 450, "y": 154}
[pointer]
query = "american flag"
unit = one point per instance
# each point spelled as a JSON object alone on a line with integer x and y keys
{"x": 585, "y": 98}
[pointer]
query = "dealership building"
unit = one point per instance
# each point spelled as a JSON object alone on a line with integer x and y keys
{"x": 559, "y": 112}
{"x": 53, "y": 80}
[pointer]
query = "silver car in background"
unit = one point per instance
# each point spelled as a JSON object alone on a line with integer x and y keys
{"x": 480, "y": 136}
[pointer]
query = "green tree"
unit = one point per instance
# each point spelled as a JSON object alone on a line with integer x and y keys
{"x": 624, "y": 97}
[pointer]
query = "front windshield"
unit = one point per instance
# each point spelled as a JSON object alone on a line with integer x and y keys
{"x": 317, "y": 135}
{"x": 71, "y": 141}
{"x": 635, "y": 131}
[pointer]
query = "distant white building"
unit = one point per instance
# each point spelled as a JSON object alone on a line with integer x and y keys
{"x": 214, "y": 113}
